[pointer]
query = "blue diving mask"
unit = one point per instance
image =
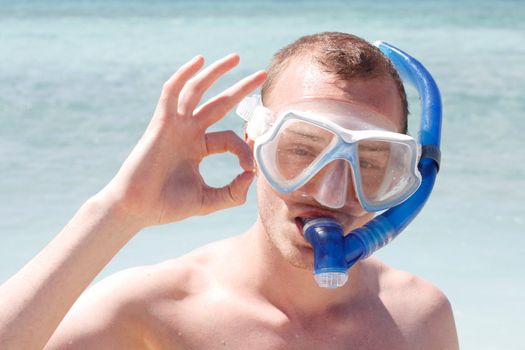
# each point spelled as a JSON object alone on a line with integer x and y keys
{"x": 327, "y": 149}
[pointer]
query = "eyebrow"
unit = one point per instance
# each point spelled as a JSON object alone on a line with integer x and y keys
{"x": 308, "y": 136}
{"x": 374, "y": 148}
{"x": 319, "y": 139}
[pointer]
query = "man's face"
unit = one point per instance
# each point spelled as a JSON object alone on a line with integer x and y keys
{"x": 280, "y": 213}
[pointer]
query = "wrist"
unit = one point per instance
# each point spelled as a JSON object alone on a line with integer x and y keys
{"x": 104, "y": 204}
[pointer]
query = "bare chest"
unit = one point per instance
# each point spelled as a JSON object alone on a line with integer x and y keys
{"x": 234, "y": 323}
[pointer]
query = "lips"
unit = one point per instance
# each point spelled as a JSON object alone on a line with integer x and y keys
{"x": 300, "y": 213}
{"x": 301, "y": 220}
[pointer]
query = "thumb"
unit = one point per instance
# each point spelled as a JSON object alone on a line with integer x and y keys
{"x": 231, "y": 195}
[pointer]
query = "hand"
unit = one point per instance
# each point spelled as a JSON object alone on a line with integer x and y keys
{"x": 160, "y": 181}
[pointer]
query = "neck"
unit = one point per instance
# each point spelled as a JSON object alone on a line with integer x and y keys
{"x": 292, "y": 289}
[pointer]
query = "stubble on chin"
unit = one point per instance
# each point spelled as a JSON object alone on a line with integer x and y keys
{"x": 281, "y": 234}
{"x": 294, "y": 252}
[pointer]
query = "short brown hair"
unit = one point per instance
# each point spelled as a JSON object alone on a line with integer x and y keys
{"x": 344, "y": 55}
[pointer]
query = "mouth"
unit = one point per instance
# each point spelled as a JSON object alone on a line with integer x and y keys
{"x": 300, "y": 221}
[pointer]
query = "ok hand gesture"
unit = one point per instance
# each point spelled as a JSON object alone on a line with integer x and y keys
{"x": 160, "y": 181}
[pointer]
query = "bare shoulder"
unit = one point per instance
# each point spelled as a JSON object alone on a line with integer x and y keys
{"x": 112, "y": 314}
{"x": 421, "y": 309}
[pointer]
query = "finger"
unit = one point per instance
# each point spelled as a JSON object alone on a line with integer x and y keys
{"x": 215, "y": 109}
{"x": 192, "y": 92}
{"x": 173, "y": 86}
{"x": 228, "y": 141}
{"x": 228, "y": 196}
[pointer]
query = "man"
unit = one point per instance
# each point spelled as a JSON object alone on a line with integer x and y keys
{"x": 252, "y": 291}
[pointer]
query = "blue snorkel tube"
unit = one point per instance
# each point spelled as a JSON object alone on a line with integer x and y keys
{"x": 335, "y": 253}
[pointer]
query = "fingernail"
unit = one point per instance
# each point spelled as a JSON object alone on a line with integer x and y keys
{"x": 249, "y": 162}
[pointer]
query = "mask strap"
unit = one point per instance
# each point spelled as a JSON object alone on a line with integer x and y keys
{"x": 257, "y": 116}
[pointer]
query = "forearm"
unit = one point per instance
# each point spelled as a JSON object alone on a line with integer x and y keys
{"x": 35, "y": 300}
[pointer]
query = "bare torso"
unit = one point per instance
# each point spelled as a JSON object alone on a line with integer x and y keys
{"x": 195, "y": 303}
{"x": 219, "y": 317}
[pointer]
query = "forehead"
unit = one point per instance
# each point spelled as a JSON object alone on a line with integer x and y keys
{"x": 302, "y": 79}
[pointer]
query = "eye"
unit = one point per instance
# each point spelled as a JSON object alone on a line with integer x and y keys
{"x": 364, "y": 164}
{"x": 300, "y": 152}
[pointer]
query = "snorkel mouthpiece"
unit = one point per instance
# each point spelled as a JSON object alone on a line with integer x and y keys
{"x": 326, "y": 237}
{"x": 335, "y": 253}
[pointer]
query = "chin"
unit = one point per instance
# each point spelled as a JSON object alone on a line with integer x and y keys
{"x": 298, "y": 260}
{"x": 297, "y": 254}
{"x": 282, "y": 231}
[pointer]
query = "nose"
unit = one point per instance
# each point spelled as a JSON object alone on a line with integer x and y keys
{"x": 332, "y": 186}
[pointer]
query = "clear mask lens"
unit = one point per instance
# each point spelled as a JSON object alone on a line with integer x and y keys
{"x": 299, "y": 145}
{"x": 384, "y": 170}
{"x": 331, "y": 184}
{"x": 310, "y": 154}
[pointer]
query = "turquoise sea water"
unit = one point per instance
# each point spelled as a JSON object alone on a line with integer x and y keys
{"x": 79, "y": 82}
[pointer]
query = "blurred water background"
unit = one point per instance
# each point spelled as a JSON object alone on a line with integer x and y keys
{"x": 79, "y": 82}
